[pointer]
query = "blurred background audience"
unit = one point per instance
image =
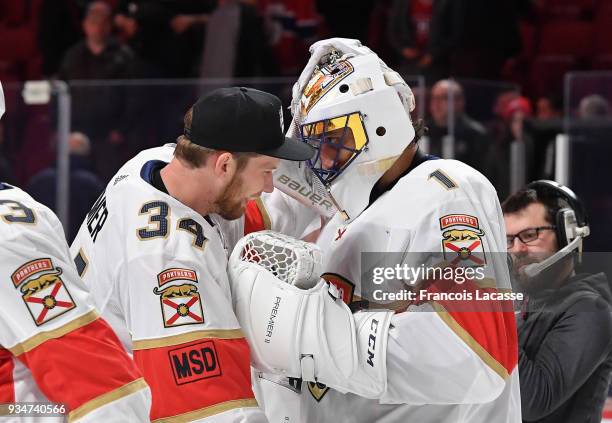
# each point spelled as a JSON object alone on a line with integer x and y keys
{"x": 528, "y": 45}
{"x": 531, "y": 42}
{"x": 471, "y": 139}
{"x": 85, "y": 186}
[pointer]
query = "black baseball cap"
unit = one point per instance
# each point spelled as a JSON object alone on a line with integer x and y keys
{"x": 239, "y": 119}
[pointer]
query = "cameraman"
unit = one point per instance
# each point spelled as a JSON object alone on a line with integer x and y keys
{"x": 565, "y": 332}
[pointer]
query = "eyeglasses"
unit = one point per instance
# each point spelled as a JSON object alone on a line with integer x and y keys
{"x": 528, "y": 235}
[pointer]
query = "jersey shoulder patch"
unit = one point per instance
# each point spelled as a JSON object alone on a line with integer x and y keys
{"x": 443, "y": 179}
{"x": 43, "y": 290}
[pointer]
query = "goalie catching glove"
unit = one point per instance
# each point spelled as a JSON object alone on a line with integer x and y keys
{"x": 297, "y": 324}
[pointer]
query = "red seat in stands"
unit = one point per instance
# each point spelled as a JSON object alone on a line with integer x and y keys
{"x": 566, "y": 38}
{"x": 603, "y": 34}
{"x": 528, "y": 38}
{"x": 552, "y": 10}
{"x": 547, "y": 73}
{"x": 603, "y": 9}
{"x": 602, "y": 62}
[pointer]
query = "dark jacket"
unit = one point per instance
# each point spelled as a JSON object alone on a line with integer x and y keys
{"x": 471, "y": 141}
{"x": 98, "y": 107}
{"x": 565, "y": 351}
{"x": 473, "y": 38}
{"x": 85, "y": 187}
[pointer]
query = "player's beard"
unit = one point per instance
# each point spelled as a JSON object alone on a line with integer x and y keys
{"x": 229, "y": 205}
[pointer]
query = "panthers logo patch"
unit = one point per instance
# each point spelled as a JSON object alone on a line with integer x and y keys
{"x": 43, "y": 290}
{"x": 462, "y": 243}
{"x": 180, "y": 303}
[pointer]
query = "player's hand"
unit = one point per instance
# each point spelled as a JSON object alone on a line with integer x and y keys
{"x": 290, "y": 260}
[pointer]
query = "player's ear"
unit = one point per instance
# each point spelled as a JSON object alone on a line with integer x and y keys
{"x": 225, "y": 165}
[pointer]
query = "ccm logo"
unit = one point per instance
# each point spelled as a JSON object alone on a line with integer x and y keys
{"x": 195, "y": 362}
{"x": 372, "y": 341}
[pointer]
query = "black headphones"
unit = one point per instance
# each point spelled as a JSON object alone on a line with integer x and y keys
{"x": 571, "y": 219}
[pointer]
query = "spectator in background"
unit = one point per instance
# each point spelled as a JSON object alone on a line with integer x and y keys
{"x": 143, "y": 26}
{"x": 545, "y": 126}
{"x": 408, "y": 34}
{"x": 98, "y": 56}
{"x": 502, "y": 101}
{"x": 472, "y": 38}
{"x": 471, "y": 140}
{"x": 594, "y": 106}
{"x": 565, "y": 347}
{"x": 346, "y": 18}
{"x": 188, "y": 24}
{"x": 292, "y": 27}
{"x": 515, "y": 113}
{"x": 6, "y": 172}
{"x": 166, "y": 36}
{"x": 236, "y": 44}
{"x": 498, "y": 126}
{"x": 58, "y": 30}
{"x": 85, "y": 186}
{"x": 100, "y": 110}
{"x": 513, "y": 116}
{"x": 548, "y": 108}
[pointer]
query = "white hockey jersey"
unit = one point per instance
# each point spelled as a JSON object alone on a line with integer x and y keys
{"x": 157, "y": 272}
{"x": 445, "y": 364}
{"x": 54, "y": 348}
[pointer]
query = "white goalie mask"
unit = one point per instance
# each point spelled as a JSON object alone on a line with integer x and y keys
{"x": 355, "y": 112}
{"x": 2, "y": 106}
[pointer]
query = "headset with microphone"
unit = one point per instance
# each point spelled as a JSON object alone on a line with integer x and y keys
{"x": 571, "y": 224}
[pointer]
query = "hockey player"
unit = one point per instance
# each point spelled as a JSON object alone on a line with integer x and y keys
{"x": 54, "y": 347}
{"x": 434, "y": 361}
{"x": 155, "y": 259}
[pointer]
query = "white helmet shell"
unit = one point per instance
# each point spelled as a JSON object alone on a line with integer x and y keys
{"x": 361, "y": 85}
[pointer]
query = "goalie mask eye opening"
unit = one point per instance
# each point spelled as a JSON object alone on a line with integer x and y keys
{"x": 337, "y": 142}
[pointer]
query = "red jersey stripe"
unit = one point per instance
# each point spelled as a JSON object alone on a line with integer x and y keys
{"x": 196, "y": 375}
{"x": 81, "y": 365}
{"x": 488, "y": 327}
{"x": 256, "y": 217}
{"x": 7, "y": 386}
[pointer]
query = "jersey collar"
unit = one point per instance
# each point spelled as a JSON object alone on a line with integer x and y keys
{"x": 418, "y": 159}
{"x": 150, "y": 173}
